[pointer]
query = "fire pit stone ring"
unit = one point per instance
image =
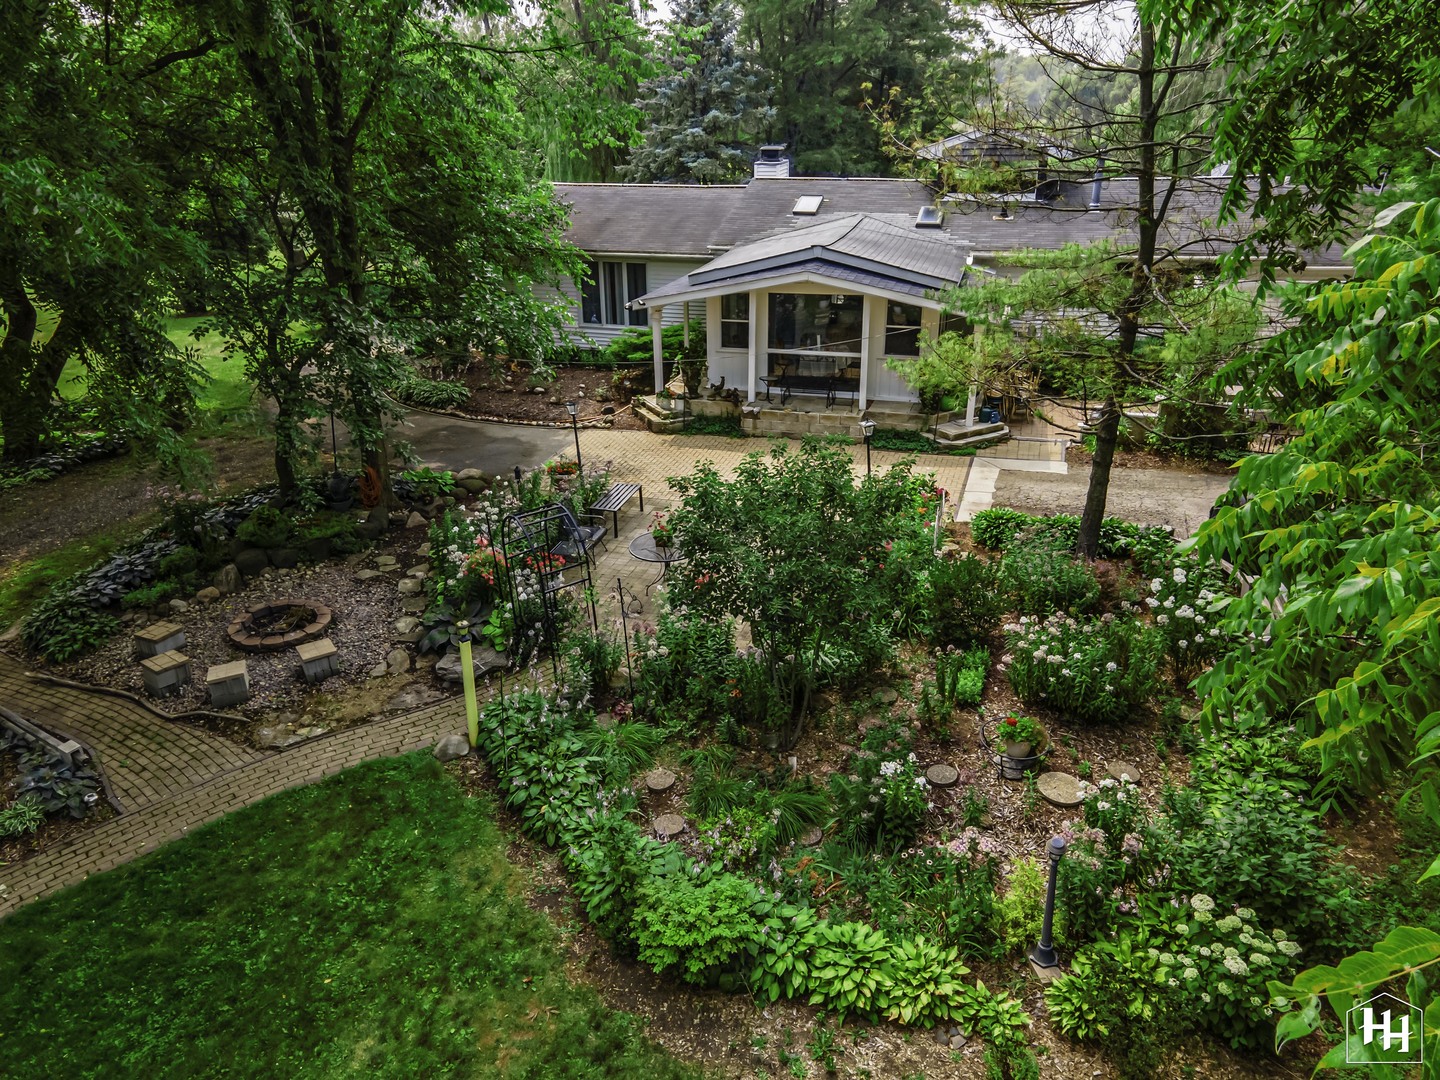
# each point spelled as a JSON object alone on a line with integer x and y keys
{"x": 279, "y": 624}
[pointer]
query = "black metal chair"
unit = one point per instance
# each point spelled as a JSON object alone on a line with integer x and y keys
{"x": 576, "y": 540}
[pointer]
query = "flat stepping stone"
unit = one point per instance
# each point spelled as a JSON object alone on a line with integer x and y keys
{"x": 889, "y": 695}
{"x": 668, "y": 825}
{"x": 813, "y": 837}
{"x": 1059, "y": 789}
{"x": 942, "y": 775}
{"x": 1123, "y": 770}
{"x": 660, "y": 780}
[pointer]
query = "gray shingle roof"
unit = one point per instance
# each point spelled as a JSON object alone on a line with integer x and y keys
{"x": 698, "y": 221}
{"x": 690, "y": 219}
{"x": 824, "y": 267}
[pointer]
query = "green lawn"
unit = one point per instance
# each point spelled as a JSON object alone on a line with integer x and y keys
{"x": 228, "y": 392}
{"x": 369, "y": 925}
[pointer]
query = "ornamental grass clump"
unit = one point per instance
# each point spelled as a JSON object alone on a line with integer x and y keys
{"x": 1094, "y": 670}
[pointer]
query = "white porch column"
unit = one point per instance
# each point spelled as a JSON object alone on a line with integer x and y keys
{"x": 868, "y": 303}
{"x": 756, "y": 341}
{"x": 970, "y": 405}
{"x": 685, "y": 322}
{"x": 659, "y": 346}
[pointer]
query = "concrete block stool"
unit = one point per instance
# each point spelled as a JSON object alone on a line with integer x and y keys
{"x": 160, "y": 637}
{"x": 317, "y": 660}
{"x": 229, "y": 684}
{"x": 166, "y": 673}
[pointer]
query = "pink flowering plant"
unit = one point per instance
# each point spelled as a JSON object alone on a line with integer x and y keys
{"x": 1096, "y": 670}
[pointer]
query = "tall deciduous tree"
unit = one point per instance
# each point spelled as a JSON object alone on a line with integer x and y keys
{"x": 1143, "y": 122}
{"x": 706, "y": 113}
{"x": 389, "y": 181}
{"x": 88, "y": 253}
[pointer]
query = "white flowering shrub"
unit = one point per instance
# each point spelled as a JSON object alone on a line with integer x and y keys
{"x": 1095, "y": 670}
{"x": 882, "y": 802}
{"x": 1218, "y": 965}
{"x": 1186, "y": 601}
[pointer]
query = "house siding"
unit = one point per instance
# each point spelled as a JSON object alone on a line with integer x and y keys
{"x": 658, "y": 272}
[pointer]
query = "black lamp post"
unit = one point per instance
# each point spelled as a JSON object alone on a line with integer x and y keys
{"x": 1043, "y": 954}
{"x": 574, "y": 410}
{"x": 867, "y": 428}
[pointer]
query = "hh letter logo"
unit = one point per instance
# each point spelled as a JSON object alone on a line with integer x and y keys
{"x": 1384, "y": 1029}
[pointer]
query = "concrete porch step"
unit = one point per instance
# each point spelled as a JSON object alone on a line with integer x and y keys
{"x": 956, "y": 434}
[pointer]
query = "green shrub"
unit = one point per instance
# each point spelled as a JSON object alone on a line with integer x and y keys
{"x": 150, "y": 595}
{"x": 684, "y": 669}
{"x": 1040, "y": 580}
{"x": 728, "y": 426}
{"x": 60, "y": 627}
{"x": 1020, "y": 913}
{"x": 267, "y": 527}
{"x": 966, "y": 600}
{"x": 430, "y": 393}
{"x": 338, "y": 528}
{"x": 635, "y": 347}
{"x": 883, "y": 806}
{"x": 180, "y": 563}
{"x": 997, "y": 526}
{"x": 699, "y": 929}
{"x": 23, "y": 816}
{"x": 1095, "y": 670}
{"x": 960, "y": 676}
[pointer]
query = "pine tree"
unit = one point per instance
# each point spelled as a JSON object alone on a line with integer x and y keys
{"x": 708, "y": 109}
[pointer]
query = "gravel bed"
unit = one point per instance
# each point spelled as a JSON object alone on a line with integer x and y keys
{"x": 362, "y": 630}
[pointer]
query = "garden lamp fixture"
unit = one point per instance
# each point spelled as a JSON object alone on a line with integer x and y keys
{"x": 1043, "y": 955}
{"x": 573, "y": 409}
{"x": 867, "y": 428}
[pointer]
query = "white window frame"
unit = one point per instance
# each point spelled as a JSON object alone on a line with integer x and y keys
{"x": 743, "y": 323}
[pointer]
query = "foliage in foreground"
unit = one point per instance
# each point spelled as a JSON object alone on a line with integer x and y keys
{"x": 366, "y": 924}
{"x": 703, "y": 923}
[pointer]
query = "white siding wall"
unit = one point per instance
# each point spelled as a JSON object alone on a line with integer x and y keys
{"x": 883, "y": 384}
{"x": 657, "y": 272}
{"x": 733, "y": 364}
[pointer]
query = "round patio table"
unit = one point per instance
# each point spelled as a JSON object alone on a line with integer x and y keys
{"x": 644, "y": 548}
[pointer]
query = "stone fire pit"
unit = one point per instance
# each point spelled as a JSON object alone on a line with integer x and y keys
{"x": 279, "y": 624}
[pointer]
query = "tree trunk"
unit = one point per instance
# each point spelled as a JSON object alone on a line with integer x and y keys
{"x": 1107, "y": 434}
{"x": 1133, "y": 306}
{"x": 21, "y": 415}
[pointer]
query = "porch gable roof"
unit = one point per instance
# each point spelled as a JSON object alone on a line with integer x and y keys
{"x": 857, "y": 250}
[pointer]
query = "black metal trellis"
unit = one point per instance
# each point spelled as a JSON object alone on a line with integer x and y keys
{"x": 548, "y": 555}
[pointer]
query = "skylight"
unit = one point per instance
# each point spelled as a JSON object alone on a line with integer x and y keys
{"x": 808, "y": 204}
{"x": 929, "y": 217}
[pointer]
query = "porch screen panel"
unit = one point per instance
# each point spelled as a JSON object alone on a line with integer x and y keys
{"x": 820, "y": 323}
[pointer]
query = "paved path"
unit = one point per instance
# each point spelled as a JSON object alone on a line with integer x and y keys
{"x": 145, "y": 757}
{"x": 188, "y": 804}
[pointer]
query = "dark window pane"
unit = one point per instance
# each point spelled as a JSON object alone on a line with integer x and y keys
{"x": 590, "y": 296}
{"x": 902, "y": 315}
{"x": 957, "y": 324}
{"x": 734, "y": 335}
{"x": 902, "y": 342}
{"x": 735, "y": 306}
{"x": 635, "y": 288}
{"x": 614, "y": 292}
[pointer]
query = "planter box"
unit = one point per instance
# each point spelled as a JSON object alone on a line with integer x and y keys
{"x": 160, "y": 637}
{"x": 229, "y": 684}
{"x": 165, "y": 674}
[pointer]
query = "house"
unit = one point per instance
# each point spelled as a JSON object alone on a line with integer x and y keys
{"x": 805, "y": 286}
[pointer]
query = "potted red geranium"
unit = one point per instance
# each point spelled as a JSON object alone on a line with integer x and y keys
{"x": 1018, "y": 734}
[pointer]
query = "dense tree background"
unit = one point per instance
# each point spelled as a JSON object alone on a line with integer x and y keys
{"x": 707, "y": 113}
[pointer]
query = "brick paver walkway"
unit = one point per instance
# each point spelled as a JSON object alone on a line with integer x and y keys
{"x": 145, "y": 757}
{"x": 135, "y": 833}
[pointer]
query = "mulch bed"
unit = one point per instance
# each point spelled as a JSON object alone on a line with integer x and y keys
{"x": 506, "y": 395}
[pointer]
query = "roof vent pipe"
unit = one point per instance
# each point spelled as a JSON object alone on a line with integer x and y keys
{"x": 1095, "y": 184}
